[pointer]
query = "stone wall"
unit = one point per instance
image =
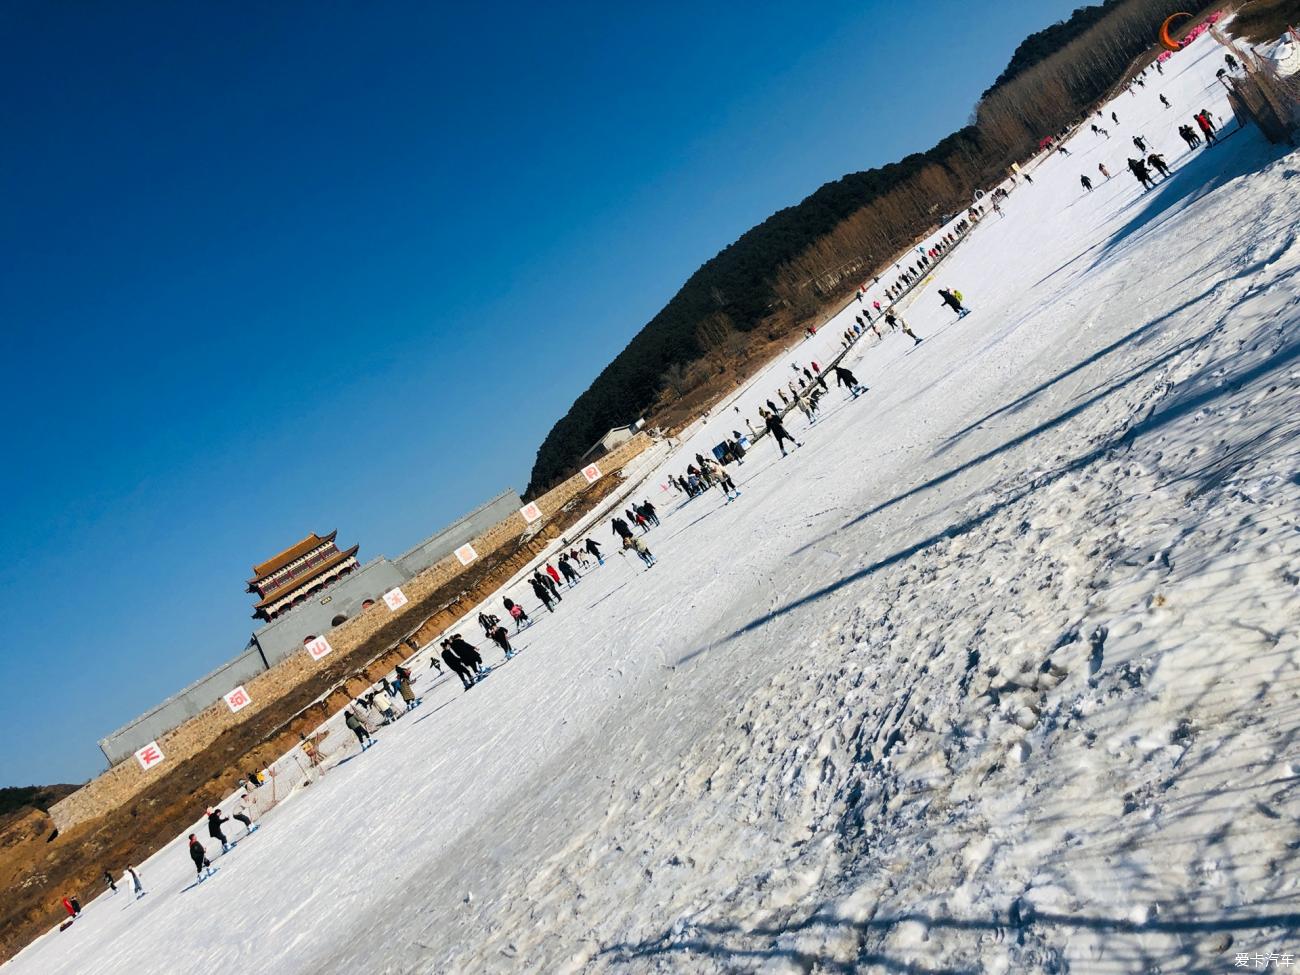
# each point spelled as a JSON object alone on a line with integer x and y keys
{"x": 356, "y": 643}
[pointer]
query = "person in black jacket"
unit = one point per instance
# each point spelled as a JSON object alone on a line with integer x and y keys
{"x": 777, "y": 429}
{"x": 621, "y": 527}
{"x": 456, "y": 665}
{"x": 469, "y": 656}
{"x": 215, "y": 819}
{"x": 594, "y": 549}
{"x": 200, "y": 857}
{"x": 849, "y": 381}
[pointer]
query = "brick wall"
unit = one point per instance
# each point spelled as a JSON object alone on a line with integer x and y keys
{"x": 359, "y": 643}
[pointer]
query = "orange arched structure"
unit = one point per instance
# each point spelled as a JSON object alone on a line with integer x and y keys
{"x": 1167, "y": 42}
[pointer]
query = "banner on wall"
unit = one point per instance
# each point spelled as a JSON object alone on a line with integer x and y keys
{"x": 395, "y": 599}
{"x": 317, "y": 647}
{"x": 238, "y": 699}
{"x": 531, "y": 512}
{"x": 466, "y": 554}
{"x": 592, "y": 473}
{"x": 149, "y": 756}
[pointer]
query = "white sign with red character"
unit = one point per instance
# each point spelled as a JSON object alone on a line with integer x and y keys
{"x": 395, "y": 599}
{"x": 531, "y": 512}
{"x": 149, "y": 756}
{"x": 466, "y": 554}
{"x": 238, "y": 699}
{"x": 317, "y": 647}
{"x": 592, "y": 473}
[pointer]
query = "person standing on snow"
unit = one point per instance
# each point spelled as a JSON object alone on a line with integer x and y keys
{"x": 1101, "y": 168}
{"x": 468, "y": 654}
{"x": 384, "y": 703}
{"x": 648, "y": 510}
{"x": 1158, "y": 163}
{"x": 542, "y": 593}
{"x": 245, "y": 808}
{"x": 1087, "y": 183}
{"x": 1165, "y": 101}
{"x": 951, "y": 299}
{"x": 137, "y": 882}
{"x": 594, "y": 549}
{"x": 353, "y": 721}
{"x": 200, "y": 858}
{"x": 621, "y": 528}
{"x": 639, "y": 547}
{"x": 570, "y": 574}
{"x": 897, "y": 321}
{"x": 456, "y": 666}
{"x": 108, "y": 879}
{"x": 501, "y": 638}
{"x": 1207, "y": 128}
{"x": 1141, "y": 174}
{"x": 215, "y": 819}
{"x": 849, "y": 381}
{"x": 555, "y": 576}
{"x": 516, "y": 613}
{"x": 777, "y": 429}
{"x": 723, "y": 480}
{"x": 407, "y": 692}
{"x": 72, "y": 906}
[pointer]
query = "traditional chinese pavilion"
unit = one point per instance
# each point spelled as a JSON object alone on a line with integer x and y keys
{"x": 296, "y": 574}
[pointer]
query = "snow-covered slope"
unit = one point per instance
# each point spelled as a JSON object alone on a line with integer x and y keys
{"x": 997, "y": 673}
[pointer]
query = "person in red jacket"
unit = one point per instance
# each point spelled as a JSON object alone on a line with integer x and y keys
{"x": 71, "y": 905}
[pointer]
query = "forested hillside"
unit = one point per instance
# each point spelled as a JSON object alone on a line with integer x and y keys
{"x": 779, "y": 273}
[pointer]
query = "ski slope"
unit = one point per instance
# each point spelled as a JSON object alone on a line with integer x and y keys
{"x": 996, "y": 673}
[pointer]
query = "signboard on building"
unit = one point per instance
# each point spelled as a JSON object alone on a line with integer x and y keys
{"x": 531, "y": 512}
{"x": 592, "y": 473}
{"x": 395, "y": 599}
{"x": 149, "y": 756}
{"x": 237, "y": 700}
{"x": 466, "y": 554}
{"x": 317, "y": 647}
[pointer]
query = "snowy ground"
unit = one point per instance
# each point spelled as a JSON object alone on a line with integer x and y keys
{"x": 997, "y": 673}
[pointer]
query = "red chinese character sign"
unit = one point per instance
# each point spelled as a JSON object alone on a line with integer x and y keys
{"x": 592, "y": 473}
{"x": 149, "y": 756}
{"x": 531, "y": 512}
{"x": 317, "y": 647}
{"x": 237, "y": 700}
{"x": 466, "y": 554}
{"x": 395, "y": 599}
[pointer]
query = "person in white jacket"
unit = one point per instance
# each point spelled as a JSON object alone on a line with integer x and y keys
{"x": 137, "y": 882}
{"x": 385, "y": 705}
{"x": 245, "y": 810}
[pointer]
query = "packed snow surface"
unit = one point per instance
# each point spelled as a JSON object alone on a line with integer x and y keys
{"x": 996, "y": 673}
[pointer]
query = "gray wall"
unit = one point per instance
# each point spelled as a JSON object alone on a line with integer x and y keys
{"x": 452, "y": 537}
{"x": 180, "y": 707}
{"x": 283, "y": 637}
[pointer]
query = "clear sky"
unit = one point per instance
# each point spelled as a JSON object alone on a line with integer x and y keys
{"x": 278, "y": 268}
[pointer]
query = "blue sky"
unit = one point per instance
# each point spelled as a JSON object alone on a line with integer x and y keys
{"x": 279, "y": 268}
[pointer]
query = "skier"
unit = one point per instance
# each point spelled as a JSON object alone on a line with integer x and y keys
{"x": 137, "y": 882}
{"x": 897, "y": 321}
{"x": 648, "y": 510}
{"x": 501, "y": 638}
{"x": 1141, "y": 173}
{"x": 379, "y": 697}
{"x": 516, "y": 613}
{"x": 1158, "y": 163}
{"x": 777, "y": 429}
{"x": 639, "y": 547}
{"x": 1101, "y": 168}
{"x": 72, "y": 906}
{"x": 108, "y": 879}
{"x": 594, "y": 549}
{"x": 1062, "y": 150}
{"x": 570, "y": 574}
{"x": 1140, "y": 143}
{"x": 849, "y": 381}
{"x": 468, "y": 654}
{"x": 1207, "y": 128}
{"x": 953, "y": 300}
{"x": 542, "y": 593}
{"x": 724, "y": 481}
{"x": 1165, "y": 101}
{"x": 351, "y": 719}
{"x": 1114, "y": 118}
{"x": 1087, "y": 183}
{"x": 457, "y": 667}
{"x": 621, "y": 528}
{"x": 245, "y": 808}
{"x": 555, "y": 577}
{"x": 215, "y": 819}
{"x": 200, "y": 858}
{"x": 406, "y": 691}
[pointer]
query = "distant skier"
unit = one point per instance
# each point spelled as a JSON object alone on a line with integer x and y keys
{"x": 1101, "y": 168}
{"x": 72, "y": 906}
{"x": 245, "y": 809}
{"x": 1207, "y": 128}
{"x": 549, "y": 584}
{"x": 1062, "y": 150}
{"x": 570, "y": 574}
{"x": 516, "y": 613}
{"x": 777, "y": 429}
{"x": 1114, "y": 118}
{"x": 215, "y": 819}
{"x": 1166, "y": 102}
{"x": 112, "y": 884}
{"x": 650, "y": 512}
{"x": 501, "y": 638}
{"x": 594, "y": 549}
{"x": 551, "y": 571}
{"x": 384, "y": 704}
{"x": 897, "y": 321}
{"x": 137, "y": 882}
{"x": 1087, "y": 183}
{"x": 639, "y": 547}
{"x": 953, "y": 300}
{"x": 405, "y": 690}
{"x": 723, "y": 480}
{"x": 200, "y": 858}
{"x": 849, "y": 381}
{"x": 621, "y": 527}
{"x": 1189, "y": 136}
{"x": 542, "y": 593}
{"x": 1158, "y": 163}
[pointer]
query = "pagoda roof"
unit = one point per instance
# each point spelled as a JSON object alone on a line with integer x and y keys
{"x": 302, "y": 581}
{"x": 291, "y": 553}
